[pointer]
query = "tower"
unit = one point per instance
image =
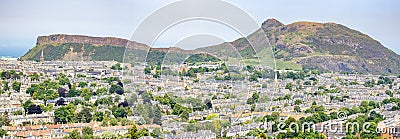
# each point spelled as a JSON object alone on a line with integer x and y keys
{"x": 42, "y": 57}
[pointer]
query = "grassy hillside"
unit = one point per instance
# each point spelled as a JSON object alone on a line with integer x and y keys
{"x": 74, "y": 51}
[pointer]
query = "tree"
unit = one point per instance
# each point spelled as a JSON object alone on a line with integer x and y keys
{"x": 87, "y": 131}
{"x": 103, "y": 101}
{"x": 370, "y": 83}
{"x": 86, "y": 93}
{"x": 93, "y": 84}
{"x": 133, "y": 132}
{"x": 157, "y": 132}
{"x": 254, "y": 98}
{"x": 315, "y": 108}
{"x": 253, "y": 78}
{"x": 47, "y": 108}
{"x": 208, "y": 103}
{"x": 214, "y": 97}
{"x": 60, "y": 102}
{"x": 82, "y": 84}
{"x": 62, "y": 92}
{"x": 116, "y": 67}
{"x": 120, "y": 91}
{"x": 388, "y": 92}
{"x": 34, "y": 109}
{"x": 73, "y": 135}
{"x": 307, "y": 83}
{"x": 184, "y": 115}
{"x": 116, "y": 89}
{"x": 249, "y": 68}
{"x": 73, "y": 92}
{"x": 125, "y": 122}
{"x": 120, "y": 84}
{"x": 123, "y": 104}
{"x": 287, "y": 97}
{"x": 131, "y": 99}
{"x": 143, "y": 132}
{"x": 5, "y": 86}
{"x": 262, "y": 135}
{"x": 228, "y": 77}
{"x": 297, "y": 109}
{"x": 84, "y": 116}
{"x": 146, "y": 96}
{"x": 46, "y": 90}
{"x": 5, "y": 120}
{"x": 119, "y": 112}
{"x": 27, "y": 104}
{"x": 63, "y": 79}
{"x": 3, "y": 133}
{"x": 34, "y": 77}
{"x": 98, "y": 116}
{"x": 113, "y": 121}
{"x": 64, "y": 114}
{"x": 18, "y": 112}
{"x": 289, "y": 86}
{"x": 157, "y": 116}
{"x": 109, "y": 135}
{"x": 147, "y": 70}
{"x": 253, "y": 108}
{"x": 16, "y": 86}
{"x": 298, "y": 102}
{"x": 101, "y": 91}
{"x": 5, "y": 75}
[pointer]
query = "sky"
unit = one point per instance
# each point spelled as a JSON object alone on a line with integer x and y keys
{"x": 23, "y": 20}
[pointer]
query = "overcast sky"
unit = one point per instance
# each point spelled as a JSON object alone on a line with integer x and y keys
{"x": 23, "y": 20}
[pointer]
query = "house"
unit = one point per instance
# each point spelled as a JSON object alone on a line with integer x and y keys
{"x": 202, "y": 134}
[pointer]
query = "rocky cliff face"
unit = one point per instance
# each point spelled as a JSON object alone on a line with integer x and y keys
{"x": 80, "y": 39}
{"x": 271, "y": 24}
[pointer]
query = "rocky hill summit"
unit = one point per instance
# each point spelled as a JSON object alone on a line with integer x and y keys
{"x": 330, "y": 47}
{"x": 80, "y": 39}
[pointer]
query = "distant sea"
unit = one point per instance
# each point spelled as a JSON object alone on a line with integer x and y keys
{"x": 8, "y": 57}
{"x": 15, "y": 48}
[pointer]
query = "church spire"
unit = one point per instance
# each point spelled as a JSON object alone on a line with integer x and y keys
{"x": 42, "y": 57}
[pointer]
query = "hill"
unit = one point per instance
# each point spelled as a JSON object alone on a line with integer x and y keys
{"x": 322, "y": 46}
{"x": 78, "y": 47}
{"x": 331, "y": 47}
